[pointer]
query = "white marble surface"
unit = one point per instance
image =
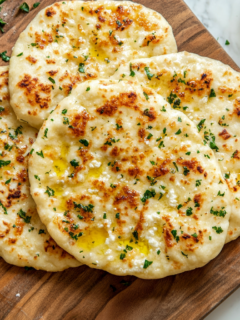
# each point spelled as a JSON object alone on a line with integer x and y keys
{"x": 222, "y": 19}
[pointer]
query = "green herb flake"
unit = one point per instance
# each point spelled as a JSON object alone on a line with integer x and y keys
{"x": 178, "y": 132}
{"x": 20, "y": 54}
{"x": 24, "y": 7}
{"x": 148, "y": 73}
{"x": 189, "y": 211}
{"x": 23, "y": 215}
{"x": 84, "y": 142}
{"x": 148, "y": 194}
{"x": 52, "y": 80}
{"x": 64, "y": 111}
{"x": 200, "y": 124}
{"x": 45, "y": 132}
{"x": 36, "y": 4}
{"x": 132, "y": 73}
{"x": 175, "y": 236}
{"x": 4, "y": 56}
{"x": 50, "y": 192}
{"x": 227, "y": 43}
{"x": 146, "y": 95}
{"x": 88, "y": 89}
{"x": 81, "y": 67}
{"x": 4, "y": 208}
{"x": 74, "y": 163}
{"x": 147, "y": 264}
{"x": 218, "y": 229}
{"x": 212, "y": 94}
{"x": 198, "y": 183}
{"x": 40, "y": 154}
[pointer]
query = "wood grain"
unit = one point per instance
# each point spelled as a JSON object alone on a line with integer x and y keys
{"x": 86, "y": 294}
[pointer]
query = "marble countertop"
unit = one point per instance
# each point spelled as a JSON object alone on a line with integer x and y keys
{"x": 222, "y": 19}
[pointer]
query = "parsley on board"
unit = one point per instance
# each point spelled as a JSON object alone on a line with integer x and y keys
{"x": 227, "y": 43}
{"x": 24, "y": 7}
{"x": 2, "y": 24}
{"x": 36, "y": 4}
{"x": 4, "y": 56}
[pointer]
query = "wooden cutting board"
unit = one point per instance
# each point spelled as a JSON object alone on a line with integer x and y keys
{"x": 86, "y": 294}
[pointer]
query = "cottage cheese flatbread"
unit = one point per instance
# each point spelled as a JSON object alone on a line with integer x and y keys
{"x": 70, "y": 42}
{"x": 134, "y": 190}
{"x": 208, "y": 92}
{"x": 24, "y": 240}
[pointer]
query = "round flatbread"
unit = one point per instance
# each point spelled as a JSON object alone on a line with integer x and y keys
{"x": 24, "y": 240}
{"x": 126, "y": 184}
{"x": 208, "y": 92}
{"x": 70, "y": 42}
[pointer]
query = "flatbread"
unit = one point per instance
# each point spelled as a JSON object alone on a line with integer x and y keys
{"x": 130, "y": 188}
{"x": 208, "y": 92}
{"x": 24, "y": 240}
{"x": 70, "y": 42}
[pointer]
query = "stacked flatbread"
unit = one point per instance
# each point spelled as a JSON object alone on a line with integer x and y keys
{"x": 135, "y": 167}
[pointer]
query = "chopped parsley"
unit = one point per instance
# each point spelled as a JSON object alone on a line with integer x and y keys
{"x": 185, "y": 255}
{"x": 118, "y": 126}
{"x": 200, "y": 124}
{"x": 4, "y": 208}
{"x": 8, "y": 181}
{"x": 218, "y": 229}
{"x": 122, "y": 256}
{"x": 88, "y": 208}
{"x": 212, "y": 94}
{"x": 88, "y": 89}
{"x": 146, "y": 95}
{"x": 220, "y": 213}
{"x": 198, "y": 183}
{"x": 178, "y": 132}
{"x": 189, "y": 211}
{"x": 52, "y": 80}
{"x": 135, "y": 234}
{"x": 50, "y": 192}
{"x": 147, "y": 264}
{"x": 64, "y": 111}
{"x": 36, "y": 4}
{"x": 175, "y": 236}
{"x": 40, "y": 154}
{"x": 74, "y": 163}
{"x": 117, "y": 215}
{"x": 221, "y": 194}
{"x": 148, "y": 73}
{"x": 185, "y": 171}
{"x": 81, "y": 67}
{"x": 132, "y": 73}
{"x": 4, "y": 56}
{"x": 23, "y": 215}
{"x": 4, "y": 163}
{"x": 227, "y": 43}
{"x": 147, "y": 195}
{"x": 45, "y": 132}
{"x": 24, "y": 7}
{"x": 84, "y": 142}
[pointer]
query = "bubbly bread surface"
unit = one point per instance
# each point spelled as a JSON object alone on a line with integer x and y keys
{"x": 24, "y": 240}
{"x": 125, "y": 184}
{"x": 73, "y": 41}
{"x": 208, "y": 92}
